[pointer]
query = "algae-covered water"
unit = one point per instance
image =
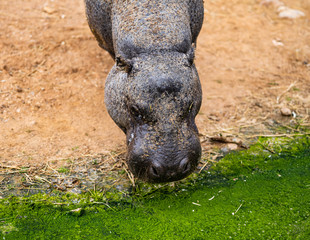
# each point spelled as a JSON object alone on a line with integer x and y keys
{"x": 261, "y": 193}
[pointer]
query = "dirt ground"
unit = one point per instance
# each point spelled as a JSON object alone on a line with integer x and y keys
{"x": 250, "y": 61}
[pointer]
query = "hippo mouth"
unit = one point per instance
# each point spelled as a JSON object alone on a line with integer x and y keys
{"x": 154, "y": 171}
{"x": 157, "y": 173}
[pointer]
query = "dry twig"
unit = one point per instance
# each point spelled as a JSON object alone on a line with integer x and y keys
{"x": 130, "y": 175}
{"x": 203, "y": 167}
{"x": 287, "y": 90}
{"x": 277, "y": 135}
{"x": 10, "y": 167}
{"x": 1, "y": 180}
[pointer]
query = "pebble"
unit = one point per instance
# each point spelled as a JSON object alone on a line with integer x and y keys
{"x": 286, "y": 111}
{"x": 276, "y": 3}
{"x": 232, "y": 146}
{"x": 77, "y": 212}
{"x": 76, "y": 190}
{"x": 285, "y": 12}
{"x": 277, "y": 43}
{"x": 19, "y": 89}
{"x": 229, "y": 147}
{"x": 49, "y": 10}
{"x": 61, "y": 187}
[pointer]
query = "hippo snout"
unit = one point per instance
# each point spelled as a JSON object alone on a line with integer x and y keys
{"x": 170, "y": 158}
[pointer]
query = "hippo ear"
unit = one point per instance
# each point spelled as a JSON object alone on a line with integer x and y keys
{"x": 99, "y": 20}
{"x": 123, "y": 64}
{"x": 115, "y": 100}
{"x": 196, "y": 17}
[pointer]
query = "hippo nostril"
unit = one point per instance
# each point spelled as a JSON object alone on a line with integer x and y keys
{"x": 155, "y": 171}
{"x": 185, "y": 166}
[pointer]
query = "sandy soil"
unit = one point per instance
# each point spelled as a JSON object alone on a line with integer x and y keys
{"x": 52, "y": 75}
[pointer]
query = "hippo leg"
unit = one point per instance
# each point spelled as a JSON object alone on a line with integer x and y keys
{"x": 98, "y": 14}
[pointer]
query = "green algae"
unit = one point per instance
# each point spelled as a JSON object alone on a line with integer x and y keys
{"x": 261, "y": 193}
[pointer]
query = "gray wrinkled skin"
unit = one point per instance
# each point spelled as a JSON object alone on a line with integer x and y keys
{"x": 153, "y": 91}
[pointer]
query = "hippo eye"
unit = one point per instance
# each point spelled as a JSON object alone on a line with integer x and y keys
{"x": 191, "y": 61}
{"x": 135, "y": 111}
{"x": 123, "y": 65}
{"x": 187, "y": 111}
{"x": 191, "y": 56}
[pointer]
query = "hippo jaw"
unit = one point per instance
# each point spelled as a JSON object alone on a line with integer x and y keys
{"x": 155, "y": 101}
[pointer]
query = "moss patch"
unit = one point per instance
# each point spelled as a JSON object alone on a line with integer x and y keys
{"x": 261, "y": 193}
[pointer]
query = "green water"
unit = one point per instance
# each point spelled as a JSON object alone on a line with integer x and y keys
{"x": 253, "y": 194}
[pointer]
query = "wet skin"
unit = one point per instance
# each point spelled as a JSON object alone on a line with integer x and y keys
{"x": 153, "y": 91}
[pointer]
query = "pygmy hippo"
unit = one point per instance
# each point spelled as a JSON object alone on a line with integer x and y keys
{"x": 153, "y": 92}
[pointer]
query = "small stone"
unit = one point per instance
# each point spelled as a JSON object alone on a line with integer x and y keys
{"x": 232, "y": 146}
{"x": 258, "y": 104}
{"x": 285, "y": 12}
{"x": 286, "y": 111}
{"x": 77, "y": 212}
{"x": 225, "y": 150}
{"x": 76, "y": 190}
{"x": 19, "y": 89}
{"x": 32, "y": 123}
{"x": 229, "y": 147}
{"x": 70, "y": 182}
{"x": 277, "y": 43}
{"x": 49, "y": 10}
{"x": 237, "y": 141}
{"x": 61, "y": 187}
{"x": 276, "y": 3}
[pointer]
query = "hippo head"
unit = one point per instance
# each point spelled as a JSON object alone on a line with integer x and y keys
{"x": 154, "y": 99}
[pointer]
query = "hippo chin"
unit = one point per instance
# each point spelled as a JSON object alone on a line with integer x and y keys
{"x": 153, "y": 91}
